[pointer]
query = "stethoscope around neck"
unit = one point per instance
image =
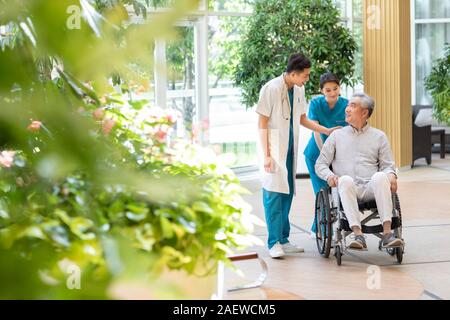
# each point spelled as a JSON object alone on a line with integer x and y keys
{"x": 286, "y": 101}
{"x": 288, "y": 116}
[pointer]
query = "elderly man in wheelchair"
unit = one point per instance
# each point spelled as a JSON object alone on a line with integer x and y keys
{"x": 356, "y": 161}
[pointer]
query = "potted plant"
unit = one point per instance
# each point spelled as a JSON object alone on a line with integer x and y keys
{"x": 438, "y": 85}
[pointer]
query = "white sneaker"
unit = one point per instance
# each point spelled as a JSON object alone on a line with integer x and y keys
{"x": 276, "y": 251}
{"x": 290, "y": 248}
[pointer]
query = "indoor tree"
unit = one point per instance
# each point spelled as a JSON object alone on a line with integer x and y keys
{"x": 278, "y": 29}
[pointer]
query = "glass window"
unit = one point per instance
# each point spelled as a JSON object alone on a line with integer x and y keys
{"x": 231, "y": 5}
{"x": 428, "y": 9}
{"x": 357, "y": 30}
{"x": 351, "y": 12}
{"x": 232, "y": 128}
{"x": 430, "y": 39}
{"x": 181, "y": 78}
{"x": 357, "y": 9}
{"x": 342, "y": 7}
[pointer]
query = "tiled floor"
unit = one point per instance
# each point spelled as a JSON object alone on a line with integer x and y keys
{"x": 424, "y": 274}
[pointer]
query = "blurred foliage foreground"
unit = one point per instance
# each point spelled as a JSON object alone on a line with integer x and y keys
{"x": 94, "y": 186}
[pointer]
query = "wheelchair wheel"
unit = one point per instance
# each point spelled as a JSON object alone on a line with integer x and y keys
{"x": 338, "y": 254}
{"x": 397, "y": 203}
{"x": 323, "y": 222}
{"x": 399, "y": 254}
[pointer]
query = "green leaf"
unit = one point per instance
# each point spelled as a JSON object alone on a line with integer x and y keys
{"x": 201, "y": 206}
{"x": 61, "y": 214}
{"x": 4, "y": 214}
{"x": 5, "y": 186}
{"x": 136, "y": 217}
{"x": 224, "y": 247}
{"x": 136, "y": 208}
{"x": 166, "y": 227}
{"x": 32, "y": 232}
{"x": 137, "y": 105}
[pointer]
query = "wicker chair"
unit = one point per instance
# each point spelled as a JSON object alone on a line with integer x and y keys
{"x": 421, "y": 138}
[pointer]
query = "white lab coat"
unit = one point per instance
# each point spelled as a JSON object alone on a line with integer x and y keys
{"x": 274, "y": 103}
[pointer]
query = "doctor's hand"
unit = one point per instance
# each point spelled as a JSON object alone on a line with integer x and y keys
{"x": 333, "y": 181}
{"x": 269, "y": 165}
{"x": 330, "y": 130}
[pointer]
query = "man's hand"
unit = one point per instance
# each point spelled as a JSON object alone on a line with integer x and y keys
{"x": 393, "y": 180}
{"x": 268, "y": 164}
{"x": 333, "y": 181}
{"x": 330, "y": 130}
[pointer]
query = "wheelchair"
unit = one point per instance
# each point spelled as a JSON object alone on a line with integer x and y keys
{"x": 333, "y": 227}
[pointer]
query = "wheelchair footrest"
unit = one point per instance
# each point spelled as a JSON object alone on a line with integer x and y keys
{"x": 354, "y": 249}
{"x": 396, "y": 223}
{"x": 381, "y": 247}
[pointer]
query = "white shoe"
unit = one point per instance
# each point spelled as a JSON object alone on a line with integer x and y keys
{"x": 313, "y": 235}
{"x": 290, "y": 248}
{"x": 276, "y": 251}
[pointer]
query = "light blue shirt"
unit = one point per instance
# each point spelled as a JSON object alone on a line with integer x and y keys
{"x": 321, "y": 112}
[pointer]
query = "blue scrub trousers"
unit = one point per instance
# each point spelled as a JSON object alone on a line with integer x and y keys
{"x": 277, "y": 205}
{"x": 317, "y": 184}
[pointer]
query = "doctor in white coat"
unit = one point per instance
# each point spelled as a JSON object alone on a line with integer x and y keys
{"x": 281, "y": 109}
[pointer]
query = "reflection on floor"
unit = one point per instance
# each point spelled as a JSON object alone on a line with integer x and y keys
{"x": 424, "y": 274}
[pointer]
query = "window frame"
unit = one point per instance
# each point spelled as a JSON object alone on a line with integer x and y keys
{"x": 414, "y": 23}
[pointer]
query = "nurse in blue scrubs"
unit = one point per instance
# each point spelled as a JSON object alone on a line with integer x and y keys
{"x": 327, "y": 110}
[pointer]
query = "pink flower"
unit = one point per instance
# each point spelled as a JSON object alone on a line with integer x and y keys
{"x": 161, "y": 135}
{"x": 162, "y": 132}
{"x": 140, "y": 89}
{"x": 7, "y": 158}
{"x": 205, "y": 124}
{"x": 98, "y": 114}
{"x": 34, "y": 126}
{"x": 170, "y": 118}
{"x": 107, "y": 125}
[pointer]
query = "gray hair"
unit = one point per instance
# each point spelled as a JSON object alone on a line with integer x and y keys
{"x": 366, "y": 101}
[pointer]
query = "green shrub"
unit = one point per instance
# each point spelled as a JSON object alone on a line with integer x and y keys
{"x": 99, "y": 181}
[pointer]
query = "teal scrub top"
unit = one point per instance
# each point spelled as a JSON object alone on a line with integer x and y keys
{"x": 321, "y": 112}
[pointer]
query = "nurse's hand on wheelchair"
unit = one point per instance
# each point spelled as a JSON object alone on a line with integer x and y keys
{"x": 333, "y": 181}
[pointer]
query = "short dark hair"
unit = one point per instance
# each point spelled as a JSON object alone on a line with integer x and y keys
{"x": 328, "y": 77}
{"x": 298, "y": 62}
